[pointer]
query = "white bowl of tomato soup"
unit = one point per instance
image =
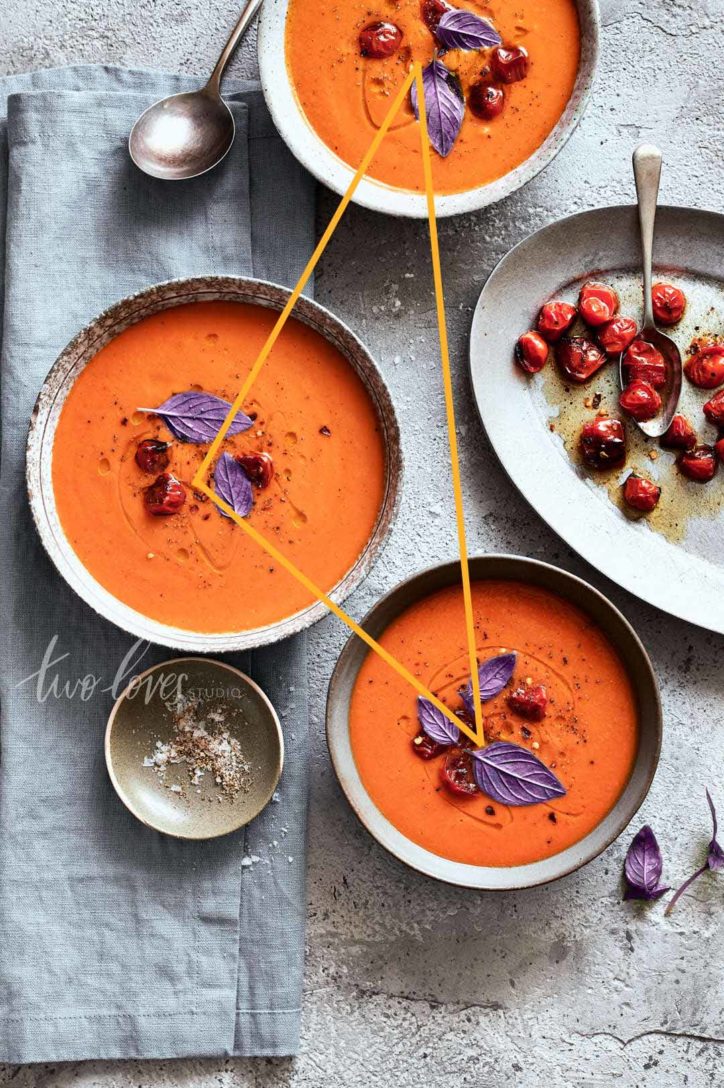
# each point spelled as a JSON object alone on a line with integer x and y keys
{"x": 330, "y": 72}
{"x": 577, "y": 702}
{"x": 127, "y": 416}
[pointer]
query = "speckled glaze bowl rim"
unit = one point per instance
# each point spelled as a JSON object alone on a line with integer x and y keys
{"x": 247, "y": 682}
{"x": 83, "y": 347}
{"x": 635, "y": 659}
{"x": 328, "y": 168}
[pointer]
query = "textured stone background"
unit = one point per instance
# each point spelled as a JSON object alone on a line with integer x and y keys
{"x": 409, "y": 982}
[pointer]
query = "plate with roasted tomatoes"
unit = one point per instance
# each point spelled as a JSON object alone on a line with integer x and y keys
{"x": 562, "y": 376}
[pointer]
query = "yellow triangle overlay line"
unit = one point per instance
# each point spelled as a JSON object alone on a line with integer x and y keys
{"x": 199, "y": 482}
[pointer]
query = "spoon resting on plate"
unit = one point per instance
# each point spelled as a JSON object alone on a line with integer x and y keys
{"x": 647, "y": 173}
{"x": 190, "y": 133}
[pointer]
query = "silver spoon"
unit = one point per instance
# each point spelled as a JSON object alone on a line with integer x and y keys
{"x": 647, "y": 173}
{"x": 187, "y": 134}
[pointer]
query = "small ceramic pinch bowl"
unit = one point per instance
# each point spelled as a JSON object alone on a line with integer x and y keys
{"x": 173, "y": 797}
{"x": 81, "y": 351}
{"x": 619, "y": 633}
{"x": 327, "y": 167}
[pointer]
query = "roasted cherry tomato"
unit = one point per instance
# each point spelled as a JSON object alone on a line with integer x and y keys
{"x": 578, "y": 358}
{"x": 615, "y": 335}
{"x": 597, "y": 303}
{"x": 152, "y": 455}
{"x": 640, "y": 493}
{"x": 510, "y": 63}
{"x": 457, "y": 773}
{"x": 485, "y": 100}
{"x": 699, "y": 464}
{"x": 166, "y": 495}
{"x": 669, "y": 303}
{"x": 706, "y": 368}
{"x": 433, "y": 11}
{"x": 640, "y": 400}
{"x": 380, "y": 40}
{"x": 530, "y": 702}
{"x": 555, "y": 319}
{"x": 714, "y": 409}
{"x": 531, "y": 352}
{"x": 719, "y": 447}
{"x": 258, "y": 467}
{"x": 680, "y": 435}
{"x": 642, "y": 360}
{"x": 603, "y": 442}
{"x": 425, "y": 747}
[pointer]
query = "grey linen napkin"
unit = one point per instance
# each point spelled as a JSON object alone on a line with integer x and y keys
{"x": 115, "y": 941}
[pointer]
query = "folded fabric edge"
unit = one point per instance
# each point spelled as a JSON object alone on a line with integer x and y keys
{"x": 145, "y": 84}
{"x": 259, "y": 1033}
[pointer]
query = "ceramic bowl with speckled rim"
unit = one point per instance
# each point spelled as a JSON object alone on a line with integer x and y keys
{"x": 620, "y": 634}
{"x": 327, "y": 167}
{"x": 172, "y": 798}
{"x": 82, "y": 350}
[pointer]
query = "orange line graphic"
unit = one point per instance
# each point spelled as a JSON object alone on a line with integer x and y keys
{"x": 199, "y": 481}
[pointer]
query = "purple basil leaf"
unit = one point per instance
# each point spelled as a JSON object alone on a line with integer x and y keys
{"x": 493, "y": 675}
{"x": 444, "y": 106}
{"x": 715, "y": 858}
{"x": 512, "y": 775}
{"x": 197, "y": 417}
{"x": 435, "y": 724}
{"x": 232, "y": 485}
{"x": 465, "y": 30}
{"x": 643, "y": 867}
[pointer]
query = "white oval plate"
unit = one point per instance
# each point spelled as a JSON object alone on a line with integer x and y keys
{"x": 684, "y": 577}
{"x": 313, "y": 153}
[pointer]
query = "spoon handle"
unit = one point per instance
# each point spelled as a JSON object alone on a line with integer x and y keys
{"x": 647, "y": 174}
{"x": 237, "y": 33}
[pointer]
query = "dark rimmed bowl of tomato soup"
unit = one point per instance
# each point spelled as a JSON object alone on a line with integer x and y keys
{"x": 597, "y": 725}
{"x": 110, "y": 480}
{"x": 331, "y": 71}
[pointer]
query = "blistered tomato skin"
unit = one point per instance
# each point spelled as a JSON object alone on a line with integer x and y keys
{"x": 714, "y": 409}
{"x": 719, "y": 447}
{"x": 425, "y": 747}
{"x": 645, "y": 362}
{"x": 432, "y": 12}
{"x": 641, "y": 494}
{"x": 640, "y": 400}
{"x": 165, "y": 496}
{"x": 457, "y": 774}
{"x": 379, "y": 40}
{"x": 706, "y": 369}
{"x": 152, "y": 455}
{"x": 554, "y": 320}
{"x": 529, "y": 702}
{"x": 578, "y": 358}
{"x": 259, "y": 468}
{"x": 699, "y": 464}
{"x": 616, "y": 335}
{"x": 680, "y": 435}
{"x": 603, "y": 443}
{"x": 510, "y": 64}
{"x": 531, "y": 352}
{"x": 669, "y": 303}
{"x": 486, "y": 101}
{"x": 597, "y": 303}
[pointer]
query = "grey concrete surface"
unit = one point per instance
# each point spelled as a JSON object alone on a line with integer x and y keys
{"x": 409, "y": 982}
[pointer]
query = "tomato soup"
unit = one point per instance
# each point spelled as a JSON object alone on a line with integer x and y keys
{"x": 346, "y": 95}
{"x": 197, "y": 569}
{"x": 587, "y": 736}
